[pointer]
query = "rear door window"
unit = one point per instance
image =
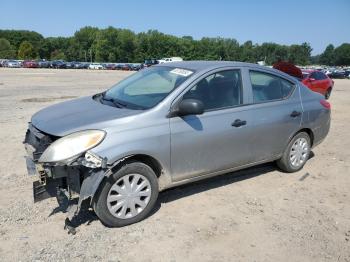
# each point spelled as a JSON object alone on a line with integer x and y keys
{"x": 267, "y": 87}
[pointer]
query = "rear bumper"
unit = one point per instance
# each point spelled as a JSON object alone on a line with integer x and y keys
{"x": 321, "y": 132}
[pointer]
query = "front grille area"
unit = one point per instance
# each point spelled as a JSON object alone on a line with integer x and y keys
{"x": 36, "y": 142}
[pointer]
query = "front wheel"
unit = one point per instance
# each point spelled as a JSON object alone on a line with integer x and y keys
{"x": 127, "y": 196}
{"x": 296, "y": 154}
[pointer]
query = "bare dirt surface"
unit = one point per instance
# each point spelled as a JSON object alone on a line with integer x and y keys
{"x": 259, "y": 214}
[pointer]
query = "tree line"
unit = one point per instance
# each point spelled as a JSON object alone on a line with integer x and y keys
{"x": 122, "y": 45}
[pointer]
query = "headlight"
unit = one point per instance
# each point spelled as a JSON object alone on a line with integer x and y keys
{"x": 72, "y": 145}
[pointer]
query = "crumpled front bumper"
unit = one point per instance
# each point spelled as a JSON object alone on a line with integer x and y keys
{"x": 51, "y": 180}
{"x": 79, "y": 179}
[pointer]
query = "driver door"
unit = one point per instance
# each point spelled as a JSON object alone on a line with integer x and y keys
{"x": 213, "y": 141}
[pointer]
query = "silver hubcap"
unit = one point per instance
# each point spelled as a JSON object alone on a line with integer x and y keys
{"x": 299, "y": 152}
{"x": 129, "y": 196}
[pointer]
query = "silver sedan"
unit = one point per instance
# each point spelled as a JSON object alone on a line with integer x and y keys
{"x": 168, "y": 125}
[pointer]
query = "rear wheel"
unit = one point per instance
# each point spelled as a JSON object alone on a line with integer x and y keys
{"x": 296, "y": 154}
{"x": 328, "y": 93}
{"x": 127, "y": 196}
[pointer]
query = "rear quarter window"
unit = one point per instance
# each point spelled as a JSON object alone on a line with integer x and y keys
{"x": 267, "y": 87}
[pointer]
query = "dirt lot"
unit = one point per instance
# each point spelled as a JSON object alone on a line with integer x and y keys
{"x": 258, "y": 214}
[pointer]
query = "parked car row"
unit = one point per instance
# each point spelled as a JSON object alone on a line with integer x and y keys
{"x": 333, "y": 72}
{"x": 61, "y": 64}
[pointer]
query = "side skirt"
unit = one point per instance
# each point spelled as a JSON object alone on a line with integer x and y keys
{"x": 217, "y": 173}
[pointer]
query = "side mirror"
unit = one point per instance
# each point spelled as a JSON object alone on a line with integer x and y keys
{"x": 190, "y": 107}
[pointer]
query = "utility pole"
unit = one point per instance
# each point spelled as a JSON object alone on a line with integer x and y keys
{"x": 85, "y": 54}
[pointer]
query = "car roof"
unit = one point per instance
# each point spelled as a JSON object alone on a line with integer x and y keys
{"x": 210, "y": 65}
{"x": 203, "y": 65}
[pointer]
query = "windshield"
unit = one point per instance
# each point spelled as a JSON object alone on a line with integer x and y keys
{"x": 148, "y": 87}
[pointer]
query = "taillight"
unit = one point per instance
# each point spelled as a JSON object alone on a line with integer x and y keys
{"x": 325, "y": 104}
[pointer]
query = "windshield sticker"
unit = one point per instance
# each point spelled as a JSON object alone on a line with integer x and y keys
{"x": 181, "y": 72}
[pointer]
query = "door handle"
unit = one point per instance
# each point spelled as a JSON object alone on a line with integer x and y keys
{"x": 238, "y": 123}
{"x": 295, "y": 114}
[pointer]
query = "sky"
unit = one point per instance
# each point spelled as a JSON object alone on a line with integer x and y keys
{"x": 318, "y": 22}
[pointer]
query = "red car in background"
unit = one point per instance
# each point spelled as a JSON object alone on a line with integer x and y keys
{"x": 30, "y": 64}
{"x": 318, "y": 81}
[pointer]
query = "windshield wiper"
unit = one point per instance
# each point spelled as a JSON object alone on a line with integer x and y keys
{"x": 114, "y": 101}
{"x": 121, "y": 104}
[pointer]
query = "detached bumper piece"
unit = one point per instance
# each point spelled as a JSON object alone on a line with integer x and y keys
{"x": 42, "y": 191}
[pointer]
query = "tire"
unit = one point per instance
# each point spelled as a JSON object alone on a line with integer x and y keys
{"x": 117, "y": 202}
{"x": 300, "y": 150}
{"x": 328, "y": 93}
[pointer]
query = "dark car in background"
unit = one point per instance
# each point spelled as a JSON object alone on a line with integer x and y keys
{"x": 119, "y": 66}
{"x": 43, "y": 64}
{"x": 70, "y": 65}
{"x": 58, "y": 64}
{"x": 135, "y": 67}
{"x": 336, "y": 74}
{"x": 126, "y": 67}
{"x": 111, "y": 66}
{"x": 347, "y": 74}
{"x": 78, "y": 65}
{"x": 150, "y": 62}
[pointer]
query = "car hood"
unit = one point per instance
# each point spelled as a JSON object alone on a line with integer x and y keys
{"x": 79, "y": 114}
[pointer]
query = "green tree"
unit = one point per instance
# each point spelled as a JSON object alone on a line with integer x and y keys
{"x": 122, "y": 45}
{"x": 85, "y": 37}
{"x": 327, "y": 57}
{"x": 300, "y": 54}
{"x": 6, "y": 50}
{"x": 342, "y": 54}
{"x": 26, "y": 51}
{"x": 58, "y": 55}
{"x": 16, "y": 37}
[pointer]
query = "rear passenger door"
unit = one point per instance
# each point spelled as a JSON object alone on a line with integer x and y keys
{"x": 276, "y": 112}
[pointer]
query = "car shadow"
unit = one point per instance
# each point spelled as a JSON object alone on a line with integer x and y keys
{"x": 87, "y": 215}
{"x": 198, "y": 187}
{"x": 176, "y": 193}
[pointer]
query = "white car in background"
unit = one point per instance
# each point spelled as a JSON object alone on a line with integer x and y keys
{"x": 13, "y": 64}
{"x": 95, "y": 66}
{"x": 170, "y": 59}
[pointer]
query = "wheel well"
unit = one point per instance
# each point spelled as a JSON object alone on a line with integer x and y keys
{"x": 309, "y": 132}
{"x": 146, "y": 159}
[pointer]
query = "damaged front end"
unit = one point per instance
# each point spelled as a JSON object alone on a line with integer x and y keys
{"x": 65, "y": 167}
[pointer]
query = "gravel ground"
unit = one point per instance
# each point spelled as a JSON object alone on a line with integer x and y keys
{"x": 258, "y": 214}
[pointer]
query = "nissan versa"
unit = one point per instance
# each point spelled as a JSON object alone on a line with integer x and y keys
{"x": 168, "y": 125}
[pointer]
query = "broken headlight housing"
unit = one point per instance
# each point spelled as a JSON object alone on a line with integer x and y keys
{"x": 71, "y": 146}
